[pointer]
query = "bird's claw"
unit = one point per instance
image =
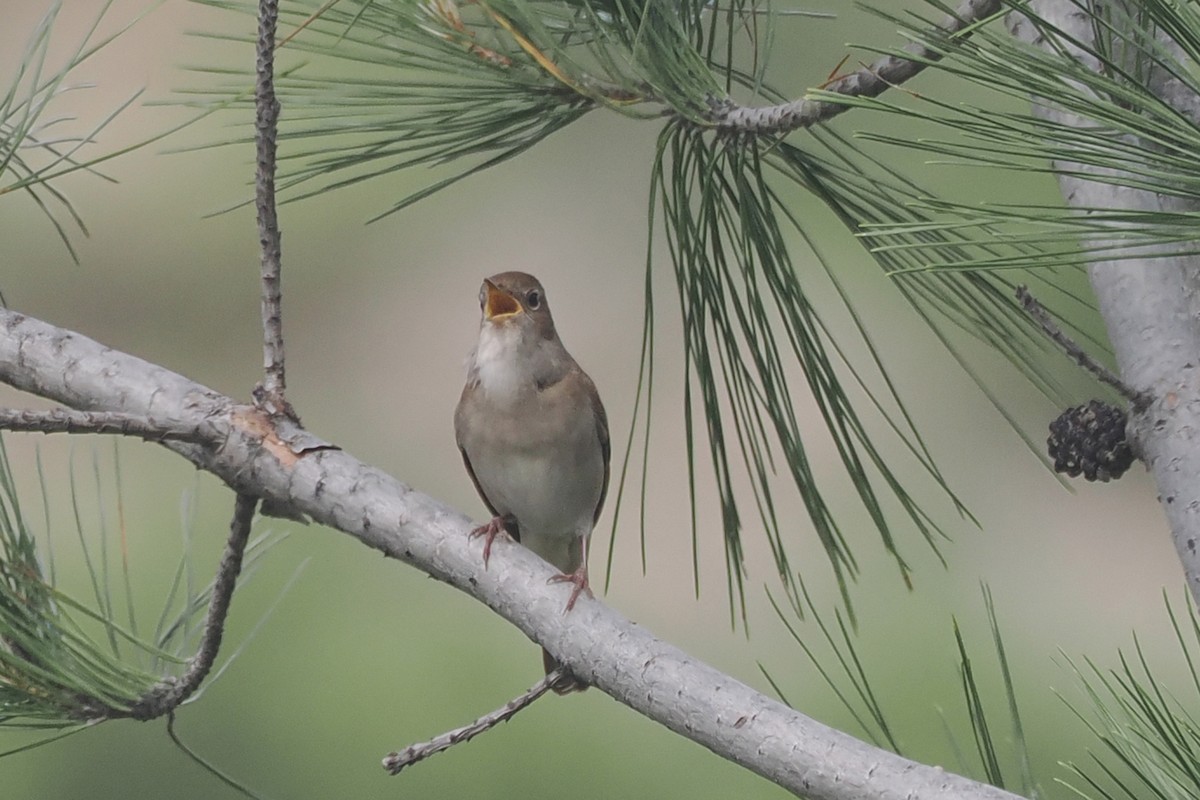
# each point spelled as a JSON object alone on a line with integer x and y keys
{"x": 489, "y": 531}
{"x": 578, "y": 579}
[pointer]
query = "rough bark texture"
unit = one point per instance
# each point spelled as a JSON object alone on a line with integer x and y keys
{"x": 1151, "y": 308}
{"x": 266, "y": 125}
{"x": 594, "y": 641}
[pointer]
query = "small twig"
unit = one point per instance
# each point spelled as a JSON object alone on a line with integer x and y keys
{"x": 64, "y": 420}
{"x": 169, "y": 693}
{"x": 871, "y": 80}
{"x": 266, "y": 130}
{"x": 1038, "y": 313}
{"x": 394, "y": 762}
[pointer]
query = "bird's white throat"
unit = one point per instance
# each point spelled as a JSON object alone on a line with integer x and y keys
{"x": 498, "y": 364}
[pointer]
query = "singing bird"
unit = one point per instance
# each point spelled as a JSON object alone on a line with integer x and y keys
{"x": 533, "y": 434}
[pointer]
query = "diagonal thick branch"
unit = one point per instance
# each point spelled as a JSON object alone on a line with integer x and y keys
{"x": 595, "y": 642}
{"x": 871, "y": 80}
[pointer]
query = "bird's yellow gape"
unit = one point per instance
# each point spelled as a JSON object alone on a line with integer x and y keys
{"x": 498, "y": 303}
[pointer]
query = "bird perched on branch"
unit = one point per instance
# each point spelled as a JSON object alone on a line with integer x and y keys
{"x": 533, "y": 434}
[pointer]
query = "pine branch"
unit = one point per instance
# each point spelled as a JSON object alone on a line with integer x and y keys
{"x": 596, "y": 643}
{"x": 266, "y": 131}
{"x": 1080, "y": 356}
{"x": 871, "y": 80}
{"x": 63, "y": 420}
{"x": 396, "y": 761}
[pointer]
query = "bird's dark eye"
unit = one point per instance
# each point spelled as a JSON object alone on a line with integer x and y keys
{"x": 534, "y": 299}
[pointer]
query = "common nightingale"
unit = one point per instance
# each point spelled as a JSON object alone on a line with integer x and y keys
{"x": 533, "y": 434}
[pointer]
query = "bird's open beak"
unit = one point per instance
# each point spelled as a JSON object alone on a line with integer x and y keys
{"x": 499, "y": 304}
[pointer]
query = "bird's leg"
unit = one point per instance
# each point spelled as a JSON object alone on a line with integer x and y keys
{"x": 490, "y": 531}
{"x": 578, "y": 578}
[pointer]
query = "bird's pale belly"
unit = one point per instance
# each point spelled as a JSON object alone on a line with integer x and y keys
{"x": 549, "y": 498}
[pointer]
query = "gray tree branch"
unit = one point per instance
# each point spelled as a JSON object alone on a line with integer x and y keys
{"x": 394, "y": 762}
{"x": 266, "y": 133}
{"x": 1151, "y": 308}
{"x": 595, "y": 642}
{"x": 871, "y": 80}
{"x": 1082, "y": 357}
{"x": 65, "y": 420}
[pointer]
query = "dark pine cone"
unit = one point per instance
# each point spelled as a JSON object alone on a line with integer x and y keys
{"x": 1090, "y": 441}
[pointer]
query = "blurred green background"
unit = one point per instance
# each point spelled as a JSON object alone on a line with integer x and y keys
{"x": 363, "y": 656}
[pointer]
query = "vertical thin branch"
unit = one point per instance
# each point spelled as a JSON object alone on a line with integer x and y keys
{"x": 266, "y": 126}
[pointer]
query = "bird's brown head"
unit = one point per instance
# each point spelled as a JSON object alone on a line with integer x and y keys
{"x": 516, "y": 297}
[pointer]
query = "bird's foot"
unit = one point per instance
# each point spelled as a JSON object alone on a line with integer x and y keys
{"x": 578, "y": 579}
{"x": 489, "y": 531}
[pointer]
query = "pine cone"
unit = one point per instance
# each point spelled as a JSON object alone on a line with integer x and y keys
{"x": 1090, "y": 440}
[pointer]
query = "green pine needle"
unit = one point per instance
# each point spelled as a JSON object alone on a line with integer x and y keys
{"x": 65, "y": 663}
{"x": 1148, "y": 740}
{"x": 35, "y": 149}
